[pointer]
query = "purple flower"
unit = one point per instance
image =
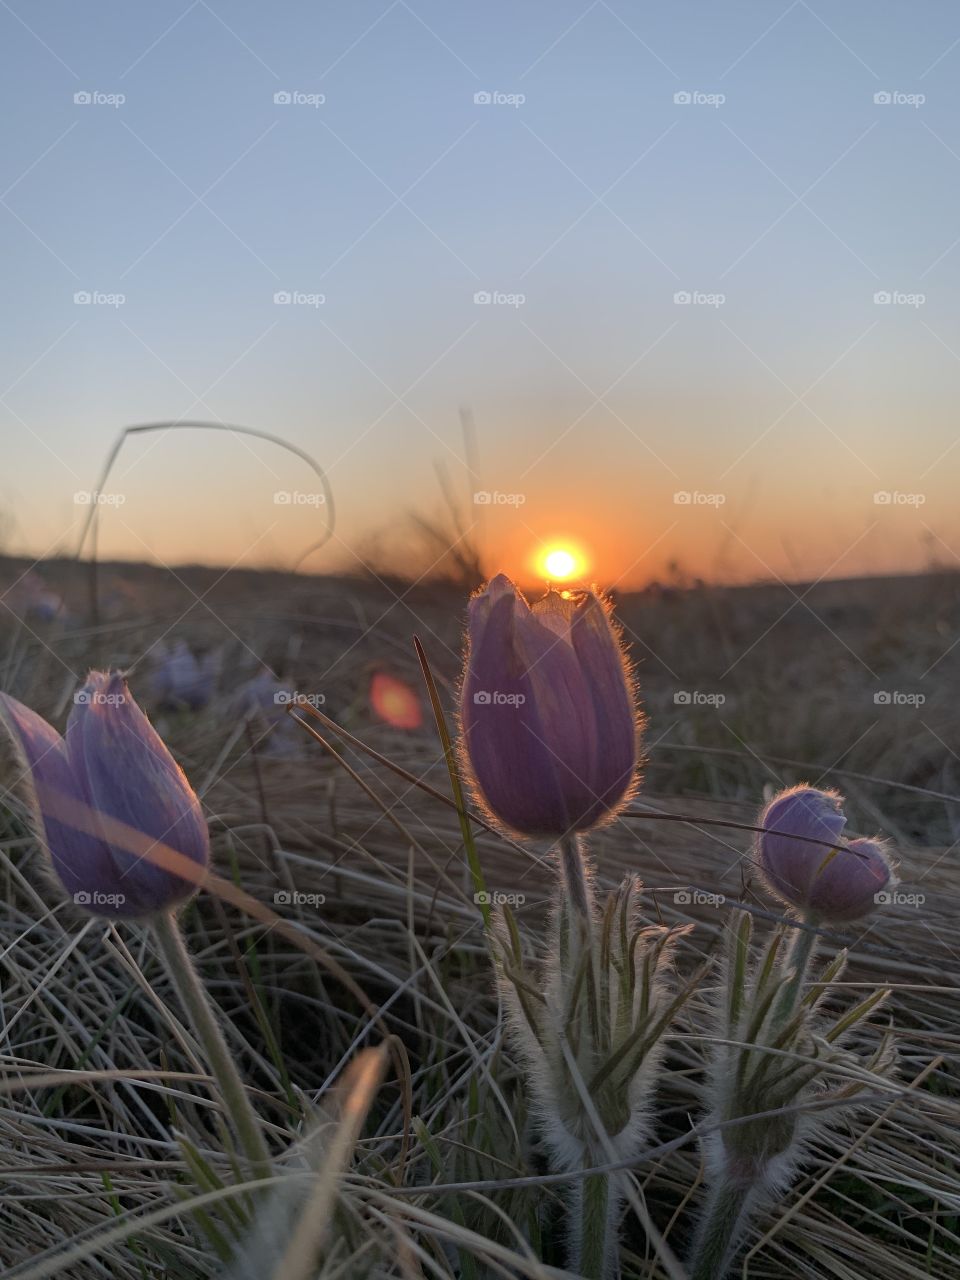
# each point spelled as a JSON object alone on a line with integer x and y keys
{"x": 181, "y": 681}
{"x": 834, "y": 879}
{"x": 111, "y": 764}
{"x": 549, "y": 725}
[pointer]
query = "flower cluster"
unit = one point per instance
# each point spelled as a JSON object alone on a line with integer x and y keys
{"x": 549, "y": 739}
{"x": 549, "y": 742}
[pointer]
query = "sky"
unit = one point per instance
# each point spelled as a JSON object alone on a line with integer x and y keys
{"x": 690, "y": 270}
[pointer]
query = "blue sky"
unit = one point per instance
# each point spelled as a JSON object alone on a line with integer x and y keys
{"x": 782, "y": 197}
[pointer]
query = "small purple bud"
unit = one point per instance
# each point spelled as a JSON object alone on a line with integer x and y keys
{"x": 547, "y": 712}
{"x": 111, "y": 764}
{"x": 834, "y": 879}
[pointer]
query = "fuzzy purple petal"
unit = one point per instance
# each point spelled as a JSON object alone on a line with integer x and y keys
{"x": 602, "y": 663}
{"x": 791, "y": 865}
{"x": 847, "y": 886}
{"x": 561, "y": 695}
{"x": 82, "y": 862}
{"x": 503, "y": 734}
{"x": 130, "y": 775}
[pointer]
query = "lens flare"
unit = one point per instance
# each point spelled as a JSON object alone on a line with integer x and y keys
{"x": 395, "y": 702}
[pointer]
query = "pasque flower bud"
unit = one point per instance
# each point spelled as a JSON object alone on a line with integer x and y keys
{"x": 549, "y": 727}
{"x": 808, "y": 865}
{"x": 110, "y": 765}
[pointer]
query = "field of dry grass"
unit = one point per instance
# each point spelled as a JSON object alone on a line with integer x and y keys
{"x": 109, "y": 1162}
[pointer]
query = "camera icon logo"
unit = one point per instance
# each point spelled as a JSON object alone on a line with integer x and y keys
{"x": 482, "y": 298}
{"x": 482, "y": 498}
{"x": 483, "y": 698}
{"x": 883, "y": 898}
{"x": 882, "y": 298}
{"x": 482, "y": 99}
{"x": 683, "y": 98}
{"x": 82, "y": 898}
{"x": 82, "y": 99}
{"x": 682, "y": 698}
{"x": 82, "y": 298}
{"x": 682, "y": 298}
{"x": 883, "y": 98}
{"x": 282, "y": 298}
{"x": 683, "y": 498}
{"x": 282, "y": 898}
{"x": 882, "y": 698}
{"x": 883, "y": 498}
{"x": 682, "y": 897}
{"x": 282, "y": 98}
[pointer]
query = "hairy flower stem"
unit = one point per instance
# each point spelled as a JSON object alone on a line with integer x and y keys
{"x": 801, "y": 952}
{"x": 591, "y": 1200}
{"x": 198, "y": 1006}
{"x": 573, "y": 867}
{"x": 594, "y": 1194}
{"x": 719, "y": 1232}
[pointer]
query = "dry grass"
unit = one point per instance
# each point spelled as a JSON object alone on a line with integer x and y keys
{"x": 113, "y": 1157}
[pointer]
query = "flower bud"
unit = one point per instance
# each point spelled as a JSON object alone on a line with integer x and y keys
{"x": 549, "y": 726}
{"x": 807, "y": 864}
{"x": 110, "y": 765}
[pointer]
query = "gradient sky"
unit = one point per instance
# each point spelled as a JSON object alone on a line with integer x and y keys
{"x": 597, "y": 198}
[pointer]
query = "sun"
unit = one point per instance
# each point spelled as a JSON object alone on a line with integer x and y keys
{"x": 560, "y": 563}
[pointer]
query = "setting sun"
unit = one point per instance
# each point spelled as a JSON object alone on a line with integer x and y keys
{"x": 560, "y": 563}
